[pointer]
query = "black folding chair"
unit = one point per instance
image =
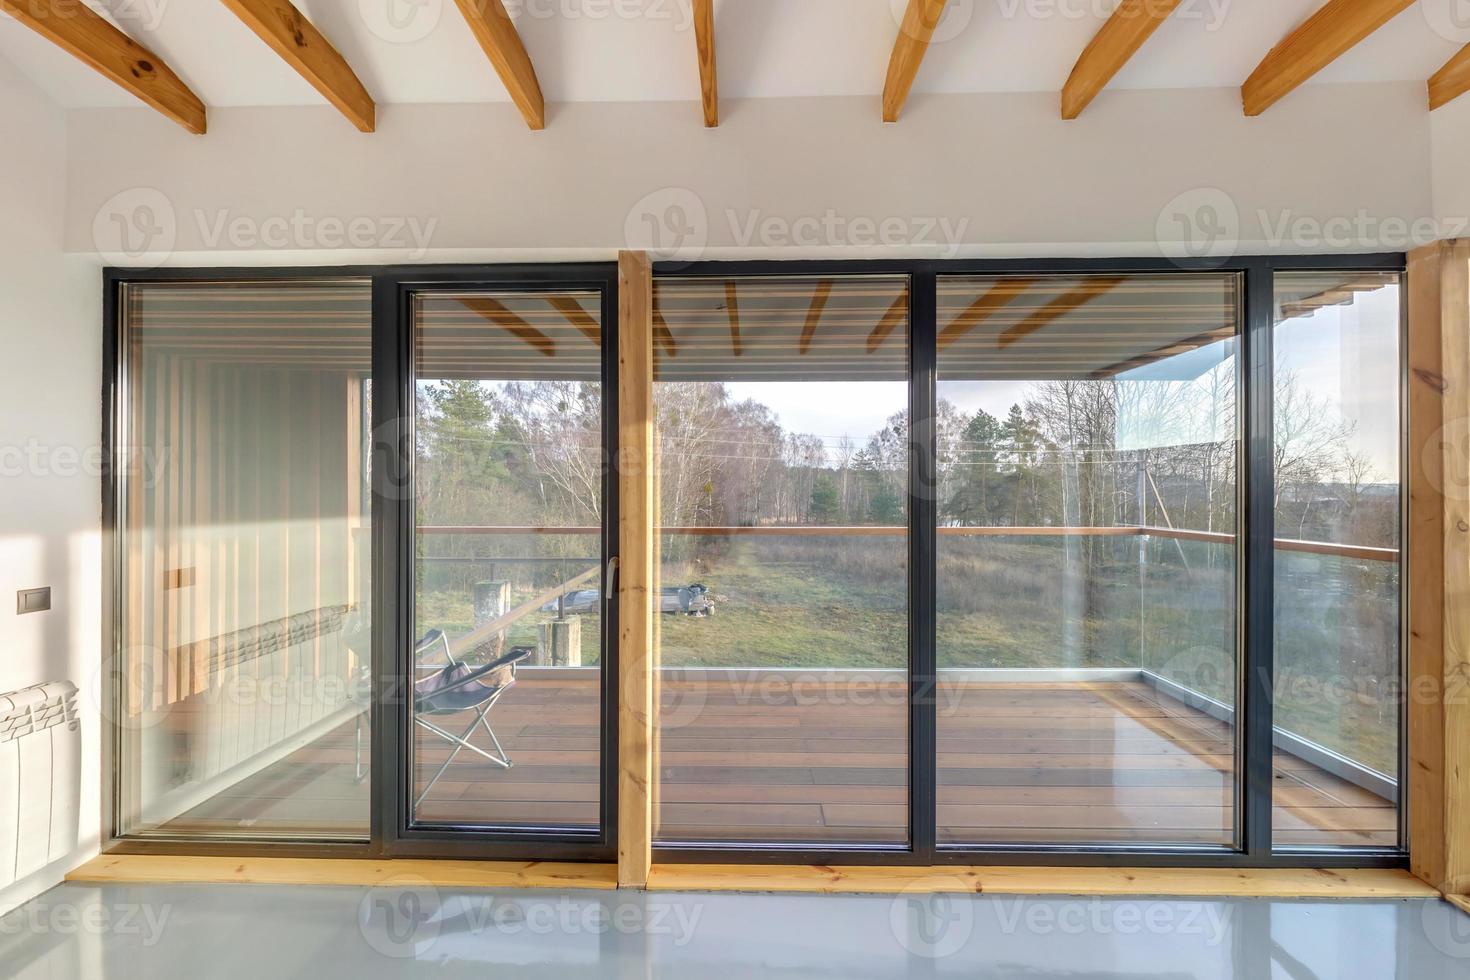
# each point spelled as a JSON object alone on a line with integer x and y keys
{"x": 455, "y": 687}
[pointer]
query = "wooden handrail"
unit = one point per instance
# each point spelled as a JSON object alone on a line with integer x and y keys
{"x": 481, "y": 634}
{"x": 1362, "y": 552}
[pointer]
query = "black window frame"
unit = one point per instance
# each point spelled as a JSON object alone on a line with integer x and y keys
{"x": 392, "y": 517}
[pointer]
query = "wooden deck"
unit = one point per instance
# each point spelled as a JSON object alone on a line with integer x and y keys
{"x": 822, "y": 763}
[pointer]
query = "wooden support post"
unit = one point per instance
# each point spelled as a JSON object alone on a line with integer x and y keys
{"x": 492, "y": 600}
{"x": 1439, "y": 565}
{"x": 636, "y": 568}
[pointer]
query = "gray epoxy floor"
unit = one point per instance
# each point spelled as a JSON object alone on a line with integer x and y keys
{"x": 408, "y": 928}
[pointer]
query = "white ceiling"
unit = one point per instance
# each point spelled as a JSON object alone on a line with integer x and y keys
{"x": 643, "y": 50}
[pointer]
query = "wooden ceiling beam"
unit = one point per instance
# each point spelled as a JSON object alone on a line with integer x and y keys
{"x": 704, "y": 43}
{"x": 501, "y": 42}
{"x": 919, "y": 21}
{"x": 1132, "y": 23}
{"x": 76, "y": 29}
{"x": 281, "y": 26}
{"x": 1336, "y": 27}
{"x": 1451, "y": 81}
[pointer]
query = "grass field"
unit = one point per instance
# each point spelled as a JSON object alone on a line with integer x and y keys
{"x": 809, "y": 602}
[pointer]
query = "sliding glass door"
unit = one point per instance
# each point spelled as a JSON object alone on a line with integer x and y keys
{"x": 1060, "y": 561}
{"x": 783, "y": 624}
{"x": 1087, "y": 559}
{"x": 507, "y": 715}
{"x": 240, "y": 671}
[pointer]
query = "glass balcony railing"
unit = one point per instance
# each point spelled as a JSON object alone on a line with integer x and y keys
{"x": 1157, "y": 600}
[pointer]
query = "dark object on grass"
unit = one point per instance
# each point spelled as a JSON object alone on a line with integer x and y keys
{"x": 691, "y": 600}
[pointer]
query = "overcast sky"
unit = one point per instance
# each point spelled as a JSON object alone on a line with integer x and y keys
{"x": 1344, "y": 355}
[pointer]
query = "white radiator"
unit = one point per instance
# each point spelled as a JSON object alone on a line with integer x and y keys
{"x": 40, "y": 777}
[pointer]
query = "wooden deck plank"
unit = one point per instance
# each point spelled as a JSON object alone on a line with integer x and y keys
{"x": 1040, "y": 762}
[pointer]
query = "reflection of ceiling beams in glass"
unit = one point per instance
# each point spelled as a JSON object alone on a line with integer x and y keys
{"x": 1064, "y": 304}
{"x": 577, "y": 317}
{"x": 495, "y": 312}
{"x": 814, "y": 313}
{"x": 885, "y": 326}
{"x": 1337, "y": 294}
{"x": 977, "y": 312}
{"x": 1184, "y": 361}
{"x": 663, "y": 334}
{"x": 732, "y": 308}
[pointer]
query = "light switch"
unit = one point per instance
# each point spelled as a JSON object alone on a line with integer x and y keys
{"x": 32, "y": 600}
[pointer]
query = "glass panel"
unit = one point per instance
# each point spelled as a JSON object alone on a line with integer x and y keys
{"x": 1339, "y": 511}
{"x": 783, "y": 640}
{"x": 1086, "y": 588}
{"x": 508, "y": 560}
{"x": 242, "y": 677}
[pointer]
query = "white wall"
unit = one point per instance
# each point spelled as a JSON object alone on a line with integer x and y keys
{"x": 1450, "y": 143}
{"x": 50, "y": 371}
{"x": 1004, "y": 171}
